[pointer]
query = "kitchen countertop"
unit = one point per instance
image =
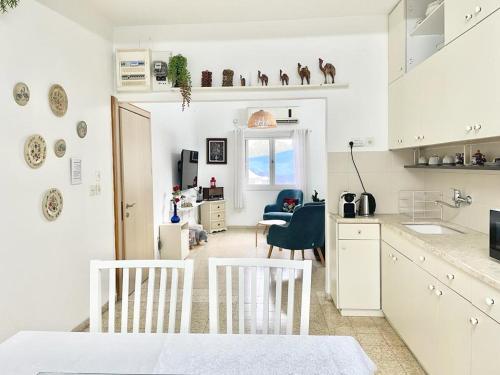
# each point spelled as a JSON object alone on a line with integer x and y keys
{"x": 468, "y": 251}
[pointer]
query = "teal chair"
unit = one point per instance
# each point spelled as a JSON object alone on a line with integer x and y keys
{"x": 275, "y": 211}
{"x": 306, "y": 230}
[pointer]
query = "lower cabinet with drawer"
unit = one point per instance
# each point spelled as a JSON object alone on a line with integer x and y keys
{"x": 213, "y": 216}
{"x": 358, "y": 269}
{"x": 441, "y": 326}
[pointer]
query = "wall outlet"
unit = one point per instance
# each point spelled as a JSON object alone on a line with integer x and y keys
{"x": 363, "y": 142}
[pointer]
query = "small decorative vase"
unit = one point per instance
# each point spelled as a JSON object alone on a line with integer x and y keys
{"x": 175, "y": 219}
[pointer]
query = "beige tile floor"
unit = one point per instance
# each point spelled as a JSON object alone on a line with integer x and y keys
{"x": 375, "y": 335}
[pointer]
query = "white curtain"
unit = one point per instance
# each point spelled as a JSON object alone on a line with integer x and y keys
{"x": 239, "y": 168}
{"x": 301, "y": 156}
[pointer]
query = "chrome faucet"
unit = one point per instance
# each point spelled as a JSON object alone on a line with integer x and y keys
{"x": 458, "y": 199}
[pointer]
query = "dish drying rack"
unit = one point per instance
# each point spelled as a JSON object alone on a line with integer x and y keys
{"x": 419, "y": 205}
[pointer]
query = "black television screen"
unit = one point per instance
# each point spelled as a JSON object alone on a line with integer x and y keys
{"x": 189, "y": 169}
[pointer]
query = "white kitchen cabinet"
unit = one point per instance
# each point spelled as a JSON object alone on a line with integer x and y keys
{"x": 397, "y": 41}
{"x": 359, "y": 274}
{"x": 355, "y": 271}
{"x": 485, "y": 333}
{"x": 452, "y": 96}
{"x": 462, "y": 15}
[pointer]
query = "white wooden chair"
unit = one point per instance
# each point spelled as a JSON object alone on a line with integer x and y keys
{"x": 97, "y": 268}
{"x": 262, "y": 267}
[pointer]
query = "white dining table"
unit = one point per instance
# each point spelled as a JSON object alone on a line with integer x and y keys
{"x": 29, "y": 353}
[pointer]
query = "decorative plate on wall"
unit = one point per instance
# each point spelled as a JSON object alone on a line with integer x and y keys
{"x": 21, "y": 93}
{"x": 60, "y": 148}
{"x": 35, "y": 151}
{"x": 52, "y": 204}
{"x": 81, "y": 129}
{"x": 58, "y": 100}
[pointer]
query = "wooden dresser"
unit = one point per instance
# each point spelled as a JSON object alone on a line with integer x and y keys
{"x": 213, "y": 216}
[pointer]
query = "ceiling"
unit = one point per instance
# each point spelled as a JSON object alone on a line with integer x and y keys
{"x": 168, "y": 12}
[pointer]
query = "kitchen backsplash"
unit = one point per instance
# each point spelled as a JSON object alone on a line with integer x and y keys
{"x": 384, "y": 176}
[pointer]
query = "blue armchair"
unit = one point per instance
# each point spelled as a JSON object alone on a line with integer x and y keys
{"x": 275, "y": 211}
{"x": 306, "y": 230}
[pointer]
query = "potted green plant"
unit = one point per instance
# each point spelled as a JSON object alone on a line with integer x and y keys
{"x": 4, "y": 4}
{"x": 179, "y": 75}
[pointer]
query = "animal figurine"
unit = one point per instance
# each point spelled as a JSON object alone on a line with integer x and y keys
{"x": 315, "y": 197}
{"x": 263, "y": 78}
{"x": 328, "y": 70}
{"x": 304, "y": 73}
{"x": 284, "y": 78}
{"x": 243, "y": 81}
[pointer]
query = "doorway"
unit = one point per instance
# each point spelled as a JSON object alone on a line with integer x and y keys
{"x": 133, "y": 181}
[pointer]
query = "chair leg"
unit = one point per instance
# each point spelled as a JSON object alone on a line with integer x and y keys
{"x": 281, "y": 249}
{"x": 292, "y": 254}
{"x": 320, "y": 253}
{"x": 270, "y": 251}
{"x": 303, "y": 258}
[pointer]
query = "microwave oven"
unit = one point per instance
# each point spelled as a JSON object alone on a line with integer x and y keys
{"x": 495, "y": 234}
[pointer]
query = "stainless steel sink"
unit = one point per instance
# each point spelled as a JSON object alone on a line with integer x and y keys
{"x": 432, "y": 229}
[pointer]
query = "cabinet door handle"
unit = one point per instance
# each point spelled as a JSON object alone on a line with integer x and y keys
{"x": 422, "y": 258}
{"x": 468, "y": 17}
{"x": 359, "y": 231}
{"x": 474, "y": 321}
{"x": 478, "y": 9}
{"x": 450, "y": 276}
{"x": 431, "y": 287}
{"x": 490, "y": 301}
{"x": 468, "y": 129}
{"x": 439, "y": 293}
{"x": 477, "y": 127}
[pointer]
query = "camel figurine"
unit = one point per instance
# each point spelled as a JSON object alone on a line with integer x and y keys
{"x": 304, "y": 73}
{"x": 243, "y": 81}
{"x": 284, "y": 78}
{"x": 263, "y": 79}
{"x": 328, "y": 70}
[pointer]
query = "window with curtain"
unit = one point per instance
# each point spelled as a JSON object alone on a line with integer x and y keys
{"x": 270, "y": 163}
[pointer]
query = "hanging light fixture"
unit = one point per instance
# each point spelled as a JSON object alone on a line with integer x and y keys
{"x": 262, "y": 120}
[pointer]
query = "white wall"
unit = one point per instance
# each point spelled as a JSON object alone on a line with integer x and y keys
{"x": 173, "y": 130}
{"x": 44, "y": 268}
{"x": 357, "y": 46}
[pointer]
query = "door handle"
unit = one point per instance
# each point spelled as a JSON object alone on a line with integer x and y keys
{"x": 127, "y": 206}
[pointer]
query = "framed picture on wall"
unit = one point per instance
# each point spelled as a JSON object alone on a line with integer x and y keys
{"x": 216, "y": 150}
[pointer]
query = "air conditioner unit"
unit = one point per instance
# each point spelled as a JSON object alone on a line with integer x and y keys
{"x": 283, "y": 115}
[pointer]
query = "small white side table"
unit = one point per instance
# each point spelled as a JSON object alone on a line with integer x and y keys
{"x": 266, "y": 224}
{"x": 174, "y": 240}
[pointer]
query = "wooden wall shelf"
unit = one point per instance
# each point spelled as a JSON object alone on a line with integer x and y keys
{"x": 270, "y": 88}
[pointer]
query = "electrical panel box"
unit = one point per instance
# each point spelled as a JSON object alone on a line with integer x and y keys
{"x": 133, "y": 70}
{"x": 159, "y": 66}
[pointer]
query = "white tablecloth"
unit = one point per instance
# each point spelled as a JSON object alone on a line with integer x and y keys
{"x": 28, "y": 353}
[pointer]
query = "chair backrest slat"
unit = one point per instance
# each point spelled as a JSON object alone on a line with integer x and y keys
{"x": 112, "y": 299}
{"x": 277, "y": 305}
{"x": 265, "y": 304}
{"x": 150, "y": 297}
{"x": 146, "y": 323}
{"x": 229, "y": 299}
{"x": 241, "y": 299}
{"x": 125, "y": 291}
{"x": 291, "y": 297}
{"x": 173, "y": 301}
{"x": 260, "y": 271}
{"x": 161, "y": 300}
{"x": 137, "y": 300}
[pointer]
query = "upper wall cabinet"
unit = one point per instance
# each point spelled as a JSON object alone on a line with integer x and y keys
{"x": 397, "y": 42}
{"x": 453, "y": 95}
{"x": 461, "y": 15}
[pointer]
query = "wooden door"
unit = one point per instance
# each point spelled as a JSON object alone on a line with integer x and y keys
{"x": 137, "y": 183}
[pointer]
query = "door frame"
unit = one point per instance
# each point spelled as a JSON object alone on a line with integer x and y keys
{"x": 120, "y": 251}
